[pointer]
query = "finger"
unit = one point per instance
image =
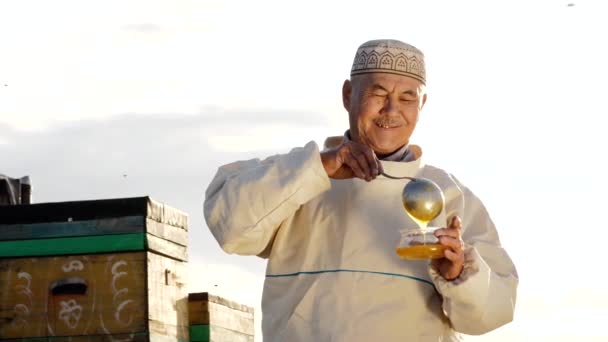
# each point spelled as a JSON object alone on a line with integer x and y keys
{"x": 353, "y": 164}
{"x": 451, "y": 232}
{"x": 456, "y": 222}
{"x": 457, "y": 258}
{"x": 451, "y": 243}
{"x": 363, "y": 164}
{"x": 380, "y": 167}
{"x": 355, "y": 153}
{"x": 372, "y": 161}
{"x": 344, "y": 172}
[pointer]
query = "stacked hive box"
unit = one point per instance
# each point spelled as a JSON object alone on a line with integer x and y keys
{"x": 215, "y": 319}
{"x": 106, "y": 270}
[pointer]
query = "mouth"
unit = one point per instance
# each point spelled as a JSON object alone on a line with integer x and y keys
{"x": 386, "y": 124}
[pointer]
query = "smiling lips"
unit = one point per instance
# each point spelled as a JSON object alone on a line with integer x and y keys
{"x": 387, "y": 123}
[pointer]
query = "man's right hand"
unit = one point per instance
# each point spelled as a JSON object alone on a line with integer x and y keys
{"x": 351, "y": 159}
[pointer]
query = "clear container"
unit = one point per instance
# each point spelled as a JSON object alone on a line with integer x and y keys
{"x": 420, "y": 244}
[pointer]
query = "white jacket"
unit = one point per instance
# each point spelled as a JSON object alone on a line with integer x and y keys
{"x": 333, "y": 274}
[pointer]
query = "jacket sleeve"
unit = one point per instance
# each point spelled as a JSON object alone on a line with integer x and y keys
{"x": 247, "y": 201}
{"x": 483, "y": 297}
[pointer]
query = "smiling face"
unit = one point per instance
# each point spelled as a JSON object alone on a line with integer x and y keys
{"x": 383, "y": 109}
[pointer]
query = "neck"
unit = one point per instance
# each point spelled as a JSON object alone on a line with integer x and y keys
{"x": 396, "y": 155}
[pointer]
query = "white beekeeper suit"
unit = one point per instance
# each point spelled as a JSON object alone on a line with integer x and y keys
{"x": 333, "y": 273}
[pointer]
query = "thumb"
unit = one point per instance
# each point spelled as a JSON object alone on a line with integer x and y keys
{"x": 455, "y": 222}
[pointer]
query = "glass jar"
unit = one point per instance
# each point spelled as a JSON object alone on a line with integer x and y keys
{"x": 420, "y": 244}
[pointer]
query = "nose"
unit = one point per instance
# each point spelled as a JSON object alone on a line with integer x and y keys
{"x": 390, "y": 107}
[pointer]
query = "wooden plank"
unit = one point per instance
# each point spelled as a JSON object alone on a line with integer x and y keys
{"x": 198, "y": 313}
{"x": 135, "y": 337}
{"x": 167, "y": 232}
{"x": 73, "y": 245}
{"x": 164, "y": 213}
{"x": 219, "y": 334}
{"x": 76, "y": 295}
{"x": 208, "y": 333}
{"x": 229, "y": 303}
{"x": 167, "y": 297}
{"x": 74, "y": 210}
{"x": 236, "y": 320}
{"x": 204, "y": 297}
{"x": 206, "y": 309}
{"x": 108, "y": 226}
{"x": 165, "y": 338}
{"x": 167, "y": 248}
{"x": 216, "y": 314}
{"x": 93, "y": 210}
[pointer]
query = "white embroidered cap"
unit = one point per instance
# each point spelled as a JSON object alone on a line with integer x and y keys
{"x": 390, "y": 56}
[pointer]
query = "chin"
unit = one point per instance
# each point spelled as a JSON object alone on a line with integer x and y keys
{"x": 384, "y": 150}
{"x": 387, "y": 145}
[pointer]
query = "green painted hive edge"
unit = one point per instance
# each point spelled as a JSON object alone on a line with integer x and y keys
{"x": 199, "y": 333}
{"x": 46, "y": 230}
{"x": 73, "y": 245}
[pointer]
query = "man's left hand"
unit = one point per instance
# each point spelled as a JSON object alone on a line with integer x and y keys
{"x": 451, "y": 265}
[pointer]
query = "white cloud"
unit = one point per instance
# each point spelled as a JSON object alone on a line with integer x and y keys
{"x": 166, "y": 156}
{"x": 143, "y": 27}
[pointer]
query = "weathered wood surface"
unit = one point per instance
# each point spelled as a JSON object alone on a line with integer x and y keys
{"x": 167, "y": 297}
{"x": 154, "y": 337}
{"x": 93, "y": 210}
{"x": 208, "y": 333}
{"x": 167, "y": 248}
{"x": 73, "y": 210}
{"x": 204, "y": 297}
{"x": 164, "y": 213}
{"x": 87, "y": 227}
{"x": 211, "y": 333}
{"x": 221, "y": 316}
{"x": 73, "y": 295}
{"x": 221, "y": 334}
{"x": 205, "y": 309}
{"x": 135, "y": 337}
{"x": 167, "y": 232}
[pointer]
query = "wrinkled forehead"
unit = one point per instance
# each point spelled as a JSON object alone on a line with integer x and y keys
{"x": 387, "y": 81}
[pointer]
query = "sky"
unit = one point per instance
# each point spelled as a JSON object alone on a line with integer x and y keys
{"x": 108, "y": 99}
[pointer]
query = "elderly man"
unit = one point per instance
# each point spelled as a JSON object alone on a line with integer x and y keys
{"x": 329, "y": 223}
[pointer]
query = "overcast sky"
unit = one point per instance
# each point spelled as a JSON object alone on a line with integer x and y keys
{"x": 105, "y": 99}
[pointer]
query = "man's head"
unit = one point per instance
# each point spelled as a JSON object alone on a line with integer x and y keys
{"x": 385, "y": 94}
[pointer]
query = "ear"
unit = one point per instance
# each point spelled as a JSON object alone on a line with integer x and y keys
{"x": 347, "y": 89}
{"x": 423, "y": 101}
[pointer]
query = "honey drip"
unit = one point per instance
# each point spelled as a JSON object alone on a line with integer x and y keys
{"x": 422, "y": 249}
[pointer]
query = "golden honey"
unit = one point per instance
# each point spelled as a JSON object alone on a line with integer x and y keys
{"x": 423, "y": 201}
{"x": 420, "y": 252}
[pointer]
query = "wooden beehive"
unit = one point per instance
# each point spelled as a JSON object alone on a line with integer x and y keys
{"x": 215, "y": 319}
{"x": 104, "y": 270}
